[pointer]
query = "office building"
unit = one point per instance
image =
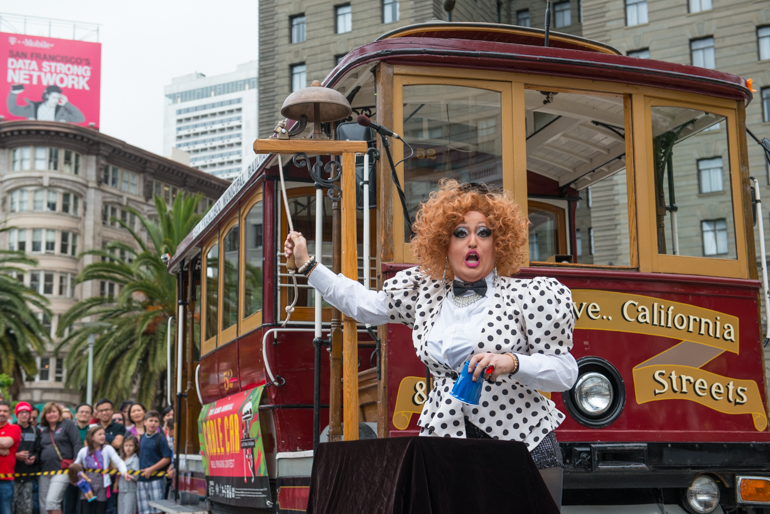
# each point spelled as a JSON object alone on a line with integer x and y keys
{"x": 213, "y": 119}
{"x": 62, "y": 185}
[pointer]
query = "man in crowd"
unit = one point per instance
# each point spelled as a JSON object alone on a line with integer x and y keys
{"x": 27, "y": 458}
{"x": 115, "y": 433}
{"x": 10, "y": 437}
{"x": 34, "y": 417}
{"x": 83, "y": 415}
{"x": 125, "y": 406}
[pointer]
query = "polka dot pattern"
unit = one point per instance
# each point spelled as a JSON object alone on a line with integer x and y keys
{"x": 525, "y": 317}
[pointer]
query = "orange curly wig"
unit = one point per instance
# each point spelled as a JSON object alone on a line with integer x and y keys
{"x": 446, "y": 208}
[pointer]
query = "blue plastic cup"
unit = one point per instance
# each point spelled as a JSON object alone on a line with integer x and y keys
{"x": 465, "y": 389}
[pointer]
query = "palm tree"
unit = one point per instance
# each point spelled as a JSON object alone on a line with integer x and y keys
{"x": 22, "y": 333}
{"x": 130, "y": 329}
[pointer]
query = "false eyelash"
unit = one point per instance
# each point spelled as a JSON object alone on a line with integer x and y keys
{"x": 484, "y": 232}
{"x": 460, "y": 232}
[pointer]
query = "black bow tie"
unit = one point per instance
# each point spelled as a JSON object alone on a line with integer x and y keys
{"x": 460, "y": 288}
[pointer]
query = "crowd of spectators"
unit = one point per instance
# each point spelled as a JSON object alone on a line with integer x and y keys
{"x": 135, "y": 441}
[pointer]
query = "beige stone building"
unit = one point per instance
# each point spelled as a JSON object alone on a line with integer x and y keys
{"x": 60, "y": 186}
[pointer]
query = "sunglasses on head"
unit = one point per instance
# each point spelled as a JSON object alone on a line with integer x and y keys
{"x": 480, "y": 188}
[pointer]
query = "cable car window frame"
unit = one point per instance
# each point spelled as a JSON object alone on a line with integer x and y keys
{"x": 402, "y": 251}
{"x": 210, "y": 344}
{"x": 683, "y": 264}
{"x": 226, "y": 335}
{"x": 250, "y": 321}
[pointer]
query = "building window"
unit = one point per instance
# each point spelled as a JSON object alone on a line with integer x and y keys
{"x": 44, "y": 370}
{"x": 37, "y": 240}
{"x": 52, "y": 201}
{"x": 71, "y": 162}
{"x": 69, "y": 244}
{"x": 714, "y": 237}
{"x": 766, "y": 104}
{"x": 522, "y": 18}
{"x": 763, "y": 39}
{"x": 50, "y": 241}
{"x": 643, "y": 53}
{"x": 636, "y": 12}
{"x": 34, "y": 281}
{"x": 389, "y": 11}
{"x": 298, "y": 77}
{"x": 22, "y": 158}
{"x": 129, "y": 182}
{"x": 111, "y": 176}
{"x": 48, "y": 283}
{"x": 108, "y": 213}
{"x": 338, "y": 58}
{"x": 59, "y": 374}
{"x": 578, "y": 243}
{"x": 703, "y": 54}
{"x": 38, "y": 200}
{"x": 66, "y": 285}
{"x": 562, "y": 14}
{"x": 344, "y": 16}
{"x": 297, "y": 28}
{"x": 591, "y": 240}
{"x": 41, "y": 158}
{"x": 17, "y": 240}
{"x": 710, "y": 172}
{"x": 107, "y": 289}
{"x": 700, "y": 5}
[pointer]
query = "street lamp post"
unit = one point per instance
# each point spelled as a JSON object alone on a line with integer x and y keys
{"x": 90, "y": 390}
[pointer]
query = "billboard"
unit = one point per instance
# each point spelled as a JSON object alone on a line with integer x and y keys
{"x": 50, "y": 79}
{"x": 231, "y": 447}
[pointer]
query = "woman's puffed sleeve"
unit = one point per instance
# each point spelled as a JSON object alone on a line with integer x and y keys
{"x": 548, "y": 317}
{"x": 402, "y": 293}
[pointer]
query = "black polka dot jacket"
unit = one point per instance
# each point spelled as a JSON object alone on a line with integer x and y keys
{"x": 525, "y": 317}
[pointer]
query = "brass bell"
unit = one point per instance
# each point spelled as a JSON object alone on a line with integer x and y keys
{"x": 317, "y": 104}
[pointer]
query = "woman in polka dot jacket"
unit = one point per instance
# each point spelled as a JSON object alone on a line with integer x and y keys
{"x": 461, "y": 304}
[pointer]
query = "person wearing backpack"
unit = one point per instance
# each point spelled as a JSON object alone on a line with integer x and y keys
{"x": 27, "y": 460}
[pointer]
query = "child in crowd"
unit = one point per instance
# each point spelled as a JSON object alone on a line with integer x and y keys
{"x": 79, "y": 479}
{"x": 154, "y": 455}
{"x": 127, "y": 498}
{"x": 98, "y": 456}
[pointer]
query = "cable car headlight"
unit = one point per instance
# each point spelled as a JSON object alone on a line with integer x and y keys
{"x": 599, "y": 394}
{"x": 593, "y": 392}
{"x": 703, "y": 495}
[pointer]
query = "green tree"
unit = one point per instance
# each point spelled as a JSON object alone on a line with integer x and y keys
{"x": 130, "y": 329}
{"x": 22, "y": 334}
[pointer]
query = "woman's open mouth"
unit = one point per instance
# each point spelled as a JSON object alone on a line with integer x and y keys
{"x": 472, "y": 259}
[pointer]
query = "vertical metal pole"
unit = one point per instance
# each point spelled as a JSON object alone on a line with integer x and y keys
{"x": 317, "y": 341}
{"x": 547, "y": 21}
{"x": 335, "y": 364}
{"x": 763, "y": 256}
{"x": 90, "y": 390}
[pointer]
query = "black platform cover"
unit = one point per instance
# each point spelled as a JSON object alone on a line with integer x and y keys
{"x": 426, "y": 475}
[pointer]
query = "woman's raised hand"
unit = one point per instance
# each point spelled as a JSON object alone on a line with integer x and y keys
{"x": 296, "y": 244}
{"x": 502, "y": 364}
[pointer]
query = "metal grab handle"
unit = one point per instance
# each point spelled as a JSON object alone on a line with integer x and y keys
{"x": 168, "y": 360}
{"x": 197, "y": 383}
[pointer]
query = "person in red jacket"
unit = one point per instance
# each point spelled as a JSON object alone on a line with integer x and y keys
{"x": 10, "y": 437}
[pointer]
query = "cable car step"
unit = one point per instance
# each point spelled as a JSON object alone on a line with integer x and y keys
{"x": 172, "y": 507}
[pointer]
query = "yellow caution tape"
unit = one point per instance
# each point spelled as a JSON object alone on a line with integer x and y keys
{"x": 63, "y": 471}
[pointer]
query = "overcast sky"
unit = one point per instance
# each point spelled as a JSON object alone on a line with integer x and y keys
{"x": 147, "y": 43}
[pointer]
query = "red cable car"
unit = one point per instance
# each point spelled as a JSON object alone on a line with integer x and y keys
{"x": 635, "y": 176}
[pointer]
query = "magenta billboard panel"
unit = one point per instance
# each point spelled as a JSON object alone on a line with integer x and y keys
{"x": 50, "y": 79}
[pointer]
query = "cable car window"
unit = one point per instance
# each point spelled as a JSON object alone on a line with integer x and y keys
{"x": 231, "y": 253}
{"x": 253, "y": 255}
{"x": 693, "y": 197}
{"x": 456, "y": 132}
{"x": 577, "y": 141}
{"x": 212, "y": 291}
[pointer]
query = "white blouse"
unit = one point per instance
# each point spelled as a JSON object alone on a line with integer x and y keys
{"x": 110, "y": 457}
{"x": 454, "y": 335}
